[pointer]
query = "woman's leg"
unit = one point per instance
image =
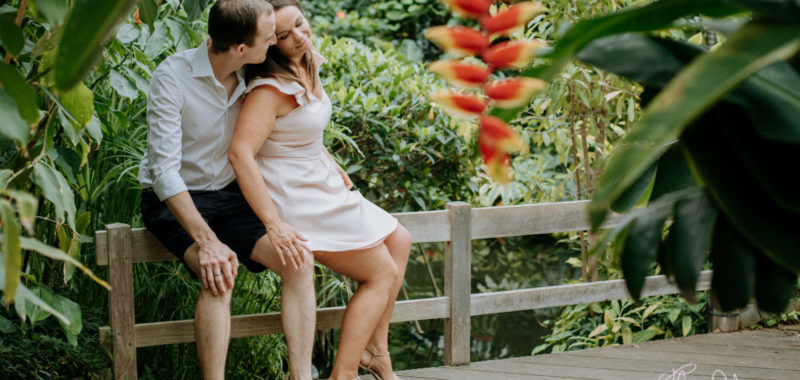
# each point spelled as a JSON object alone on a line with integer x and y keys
{"x": 399, "y": 245}
{"x": 376, "y": 274}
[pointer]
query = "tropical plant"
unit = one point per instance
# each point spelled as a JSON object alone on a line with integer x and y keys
{"x": 711, "y": 147}
{"x": 755, "y": 248}
{"x": 623, "y": 322}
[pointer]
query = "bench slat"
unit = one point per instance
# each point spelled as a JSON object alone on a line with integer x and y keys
{"x": 160, "y": 333}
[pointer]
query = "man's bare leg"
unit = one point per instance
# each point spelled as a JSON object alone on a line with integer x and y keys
{"x": 298, "y": 306}
{"x": 212, "y": 324}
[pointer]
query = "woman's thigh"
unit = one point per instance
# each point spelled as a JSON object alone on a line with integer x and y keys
{"x": 360, "y": 265}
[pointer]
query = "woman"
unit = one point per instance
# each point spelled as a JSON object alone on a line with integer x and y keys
{"x": 302, "y": 196}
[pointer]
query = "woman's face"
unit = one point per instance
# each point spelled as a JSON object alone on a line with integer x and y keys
{"x": 292, "y": 31}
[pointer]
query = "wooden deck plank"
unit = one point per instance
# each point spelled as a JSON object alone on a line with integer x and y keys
{"x": 645, "y": 369}
{"x": 776, "y": 369}
{"x": 466, "y": 373}
{"x": 766, "y": 354}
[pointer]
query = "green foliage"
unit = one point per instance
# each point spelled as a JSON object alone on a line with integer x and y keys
{"x": 623, "y": 322}
{"x": 712, "y": 106}
{"x": 383, "y": 122}
{"x": 40, "y": 351}
{"x": 389, "y": 25}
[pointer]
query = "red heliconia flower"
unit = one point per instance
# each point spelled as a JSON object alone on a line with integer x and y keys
{"x": 511, "y": 54}
{"x": 461, "y": 74}
{"x": 516, "y": 16}
{"x": 460, "y": 104}
{"x": 469, "y": 8}
{"x": 458, "y": 40}
{"x": 496, "y": 139}
{"x": 513, "y": 92}
{"x": 498, "y": 134}
{"x": 496, "y": 161}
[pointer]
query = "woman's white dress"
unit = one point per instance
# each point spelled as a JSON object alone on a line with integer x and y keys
{"x": 308, "y": 192}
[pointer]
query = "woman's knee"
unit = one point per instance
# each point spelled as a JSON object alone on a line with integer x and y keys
{"x": 303, "y": 272}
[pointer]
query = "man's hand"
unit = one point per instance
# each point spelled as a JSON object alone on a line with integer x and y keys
{"x": 218, "y": 266}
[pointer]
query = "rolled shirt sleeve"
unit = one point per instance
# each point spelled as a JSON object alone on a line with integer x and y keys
{"x": 164, "y": 134}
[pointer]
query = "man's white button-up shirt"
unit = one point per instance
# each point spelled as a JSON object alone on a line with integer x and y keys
{"x": 190, "y": 121}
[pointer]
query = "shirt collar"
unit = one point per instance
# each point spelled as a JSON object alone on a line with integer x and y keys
{"x": 201, "y": 65}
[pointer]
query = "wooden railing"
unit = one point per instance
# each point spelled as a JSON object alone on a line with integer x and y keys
{"x": 120, "y": 246}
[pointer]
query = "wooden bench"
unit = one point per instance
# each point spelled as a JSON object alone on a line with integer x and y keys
{"x": 120, "y": 246}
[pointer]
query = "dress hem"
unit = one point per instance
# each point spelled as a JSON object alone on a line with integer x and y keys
{"x": 372, "y": 245}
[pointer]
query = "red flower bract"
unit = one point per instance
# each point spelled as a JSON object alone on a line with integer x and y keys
{"x": 513, "y": 92}
{"x": 460, "y": 104}
{"x": 511, "y": 54}
{"x": 512, "y": 18}
{"x": 458, "y": 40}
{"x": 461, "y": 74}
{"x": 469, "y": 8}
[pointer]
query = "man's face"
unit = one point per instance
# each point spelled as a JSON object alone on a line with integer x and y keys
{"x": 265, "y": 37}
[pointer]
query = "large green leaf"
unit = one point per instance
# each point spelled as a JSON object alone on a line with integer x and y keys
{"x": 57, "y": 254}
{"x": 148, "y": 12}
{"x": 635, "y": 192}
{"x": 11, "y": 250}
{"x": 771, "y": 228}
{"x": 673, "y": 173}
{"x": 766, "y": 162}
{"x": 23, "y": 296}
{"x": 689, "y": 239}
{"x": 52, "y": 10}
{"x": 655, "y": 16}
{"x": 641, "y": 246}
{"x": 11, "y": 36}
{"x": 22, "y": 93}
{"x": 72, "y": 311}
{"x": 788, "y": 10}
{"x": 733, "y": 258}
{"x": 11, "y": 124}
{"x": 194, "y": 8}
{"x": 635, "y": 56}
{"x": 774, "y": 285}
{"x": 685, "y": 98}
{"x": 56, "y": 189}
{"x": 89, "y": 25}
{"x": 772, "y": 98}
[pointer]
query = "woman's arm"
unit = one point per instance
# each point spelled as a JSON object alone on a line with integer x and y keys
{"x": 256, "y": 121}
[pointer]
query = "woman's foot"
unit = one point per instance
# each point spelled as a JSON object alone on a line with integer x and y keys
{"x": 378, "y": 364}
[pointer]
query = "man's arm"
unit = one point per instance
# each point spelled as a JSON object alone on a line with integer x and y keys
{"x": 218, "y": 264}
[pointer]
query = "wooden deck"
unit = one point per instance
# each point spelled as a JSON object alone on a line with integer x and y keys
{"x": 760, "y": 354}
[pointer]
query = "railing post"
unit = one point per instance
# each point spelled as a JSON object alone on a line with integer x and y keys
{"x": 457, "y": 286}
{"x": 120, "y": 277}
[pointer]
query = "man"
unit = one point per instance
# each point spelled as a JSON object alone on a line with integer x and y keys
{"x": 191, "y": 201}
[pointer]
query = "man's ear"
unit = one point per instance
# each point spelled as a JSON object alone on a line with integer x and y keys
{"x": 239, "y": 49}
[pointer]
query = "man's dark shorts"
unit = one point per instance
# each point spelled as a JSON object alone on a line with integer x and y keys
{"x": 226, "y": 212}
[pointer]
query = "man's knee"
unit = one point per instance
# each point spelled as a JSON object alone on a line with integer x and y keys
{"x": 223, "y": 299}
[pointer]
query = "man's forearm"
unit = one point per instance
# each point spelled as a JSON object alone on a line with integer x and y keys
{"x": 185, "y": 211}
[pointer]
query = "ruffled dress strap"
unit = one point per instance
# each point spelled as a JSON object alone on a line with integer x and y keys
{"x": 287, "y": 87}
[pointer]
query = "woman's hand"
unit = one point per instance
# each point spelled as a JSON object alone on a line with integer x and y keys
{"x": 288, "y": 243}
{"x": 346, "y": 178}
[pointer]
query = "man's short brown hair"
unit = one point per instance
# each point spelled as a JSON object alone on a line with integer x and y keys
{"x": 233, "y": 22}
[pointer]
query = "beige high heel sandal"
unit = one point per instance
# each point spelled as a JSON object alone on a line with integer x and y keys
{"x": 369, "y": 369}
